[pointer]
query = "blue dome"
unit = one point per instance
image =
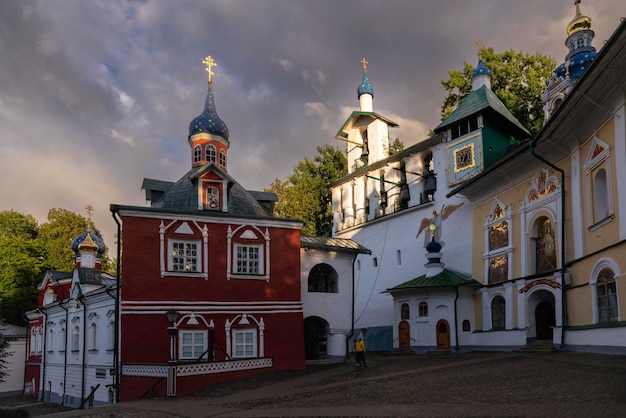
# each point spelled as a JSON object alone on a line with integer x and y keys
{"x": 208, "y": 121}
{"x": 96, "y": 239}
{"x": 578, "y": 63}
{"x": 481, "y": 69}
{"x": 365, "y": 87}
{"x": 433, "y": 246}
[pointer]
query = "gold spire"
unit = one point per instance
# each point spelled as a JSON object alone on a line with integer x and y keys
{"x": 481, "y": 46}
{"x": 364, "y": 62}
{"x": 209, "y": 62}
{"x": 580, "y": 22}
{"x": 88, "y": 244}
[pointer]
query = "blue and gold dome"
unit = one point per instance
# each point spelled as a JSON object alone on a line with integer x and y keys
{"x": 208, "y": 121}
{"x": 481, "y": 68}
{"x": 365, "y": 87}
{"x": 89, "y": 241}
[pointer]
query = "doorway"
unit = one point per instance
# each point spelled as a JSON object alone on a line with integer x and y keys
{"x": 404, "y": 335}
{"x": 544, "y": 320}
{"x": 443, "y": 335}
{"x": 315, "y": 336}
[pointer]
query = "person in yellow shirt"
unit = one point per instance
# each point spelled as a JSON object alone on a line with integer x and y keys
{"x": 359, "y": 349}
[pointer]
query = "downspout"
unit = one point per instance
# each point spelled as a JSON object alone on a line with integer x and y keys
{"x": 456, "y": 321}
{"x": 82, "y": 392}
{"x": 562, "y": 233}
{"x": 65, "y": 345}
{"x": 352, "y": 310}
{"x": 42, "y": 384}
{"x": 116, "y": 351}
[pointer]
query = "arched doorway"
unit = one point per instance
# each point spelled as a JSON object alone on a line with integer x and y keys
{"x": 443, "y": 335}
{"x": 315, "y": 332}
{"x": 404, "y": 335}
{"x": 544, "y": 320}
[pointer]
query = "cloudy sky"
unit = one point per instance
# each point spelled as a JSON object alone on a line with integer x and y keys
{"x": 96, "y": 95}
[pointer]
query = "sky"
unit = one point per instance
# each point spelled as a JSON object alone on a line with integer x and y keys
{"x": 97, "y": 95}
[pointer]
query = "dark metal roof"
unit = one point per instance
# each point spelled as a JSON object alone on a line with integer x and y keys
{"x": 478, "y": 100}
{"x": 447, "y": 278}
{"x": 333, "y": 244}
{"x": 12, "y": 331}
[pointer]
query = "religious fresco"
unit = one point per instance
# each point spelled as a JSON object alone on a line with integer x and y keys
{"x": 498, "y": 269}
{"x": 543, "y": 185}
{"x": 499, "y": 236}
{"x": 545, "y": 246}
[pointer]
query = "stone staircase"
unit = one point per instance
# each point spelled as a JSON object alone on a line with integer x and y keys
{"x": 539, "y": 346}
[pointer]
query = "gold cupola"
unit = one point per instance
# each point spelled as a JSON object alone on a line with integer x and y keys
{"x": 580, "y": 21}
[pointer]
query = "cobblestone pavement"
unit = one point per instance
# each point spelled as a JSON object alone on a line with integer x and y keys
{"x": 560, "y": 384}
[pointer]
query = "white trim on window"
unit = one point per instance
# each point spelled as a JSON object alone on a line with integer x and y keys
{"x": 248, "y": 260}
{"x": 166, "y": 250}
{"x": 191, "y": 344}
{"x": 244, "y": 343}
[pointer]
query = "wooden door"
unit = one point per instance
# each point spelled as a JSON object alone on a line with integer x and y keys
{"x": 544, "y": 320}
{"x": 404, "y": 334}
{"x": 443, "y": 335}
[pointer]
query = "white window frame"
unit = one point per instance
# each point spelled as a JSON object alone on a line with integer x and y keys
{"x": 210, "y": 153}
{"x": 172, "y": 242}
{"x": 248, "y": 238}
{"x": 76, "y": 338}
{"x": 244, "y": 264}
{"x": 243, "y": 348}
{"x": 182, "y": 228}
{"x": 610, "y": 264}
{"x": 593, "y": 164}
{"x": 50, "y": 339}
{"x": 62, "y": 338}
{"x": 196, "y": 348}
{"x": 197, "y": 154}
{"x": 223, "y": 158}
{"x": 93, "y": 337}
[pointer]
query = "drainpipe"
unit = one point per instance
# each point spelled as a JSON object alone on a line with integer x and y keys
{"x": 562, "y": 233}
{"x": 352, "y": 313}
{"x": 65, "y": 346}
{"x": 82, "y": 392}
{"x": 42, "y": 384}
{"x": 116, "y": 351}
{"x": 456, "y": 321}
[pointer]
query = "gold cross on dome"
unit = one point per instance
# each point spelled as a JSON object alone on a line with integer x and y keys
{"x": 481, "y": 46}
{"x": 209, "y": 62}
{"x": 89, "y": 209}
{"x": 364, "y": 62}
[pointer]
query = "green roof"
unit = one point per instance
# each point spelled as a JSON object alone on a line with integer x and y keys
{"x": 333, "y": 244}
{"x": 447, "y": 278}
{"x": 478, "y": 100}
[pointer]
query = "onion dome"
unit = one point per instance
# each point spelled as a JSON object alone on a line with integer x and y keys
{"x": 433, "y": 246}
{"x": 365, "y": 87}
{"x": 208, "y": 121}
{"x": 480, "y": 69}
{"x": 88, "y": 241}
{"x": 580, "y": 21}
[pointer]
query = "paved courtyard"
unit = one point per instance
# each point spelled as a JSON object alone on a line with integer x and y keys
{"x": 559, "y": 384}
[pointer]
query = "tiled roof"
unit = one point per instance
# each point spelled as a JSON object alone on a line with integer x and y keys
{"x": 476, "y": 101}
{"x": 447, "y": 278}
{"x": 334, "y": 244}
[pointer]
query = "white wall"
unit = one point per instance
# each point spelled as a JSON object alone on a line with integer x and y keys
{"x": 15, "y": 364}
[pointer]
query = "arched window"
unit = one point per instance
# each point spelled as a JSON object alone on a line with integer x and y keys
{"x": 75, "y": 338}
{"x": 498, "y": 306}
{"x": 197, "y": 154}
{"x": 111, "y": 335}
{"x": 606, "y": 291}
{"x": 62, "y": 338}
{"x": 600, "y": 196}
{"x": 93, "y": 335}
{"x": 545, "y": 246}
{"x": 323, "y": 278}
{"x": 405, "y": 312}
{"x": 50, "y": 340}
{"x": 422, "y": 309}
{"x": 466, "y": 325}
{"x": 210, "y": 153}
{"x": 223, "y": 158}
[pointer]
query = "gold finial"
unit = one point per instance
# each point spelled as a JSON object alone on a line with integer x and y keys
{"x": 481, "y": 46}
{"x": 364, "y": 62}
{"x": 577, "y": 4}
{"x": 89, "y": 209}
{"x": 209, "y": 62}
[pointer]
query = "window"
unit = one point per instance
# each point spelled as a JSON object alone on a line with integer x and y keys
{"x": 210, "y": 153}
{"x": 223, "y": 158}
{"x": 62, "y": 339}
{"x": 405, "y": 311}
{"x": 466, "y": 325}
{"x": 212, "y": 198}
{"x": 192, "y": 344}
{"x": 606, "y": 291}
{"x": 50, "y": 340}
{"x": 197, "y": 154}
{"x": 248, "y": 260}
{"x": 184, "y": 256}
{"x": 244, "y": 343}
{"x": 75, "y": 338}
{"x": 111, "y": 335}
{"x": 498, "y": 306}
{"x": 323, "y": 278}
{"x": 93, "y": 334}
{"x": 422, "y": 309}
{"x": 600, "y": 196}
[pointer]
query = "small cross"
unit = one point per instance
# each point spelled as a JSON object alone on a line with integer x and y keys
{"x": 89, "y": 209}
{"x": 481, "y": 46}
{"x": 209, "y": 62}
{"x": 364, "y": 62}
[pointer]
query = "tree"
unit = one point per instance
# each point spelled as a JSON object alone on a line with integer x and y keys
{"x": 21, "y": 265}
{"x": 518, "y": 80}
{"x": 4, "y": 353}
{"x": 306, "y": 194}
{"x": 396, "y": 147}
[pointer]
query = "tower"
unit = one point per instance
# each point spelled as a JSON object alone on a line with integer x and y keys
{"x": 581, "y": 54}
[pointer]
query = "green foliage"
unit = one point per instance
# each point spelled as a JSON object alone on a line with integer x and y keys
{"x": 518, "y": 80}
{"x": 21, "y": 265}
{"x": 306, "y": 194}
{"x": 396, "y": 147}
{"x": 4, "y": 353}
